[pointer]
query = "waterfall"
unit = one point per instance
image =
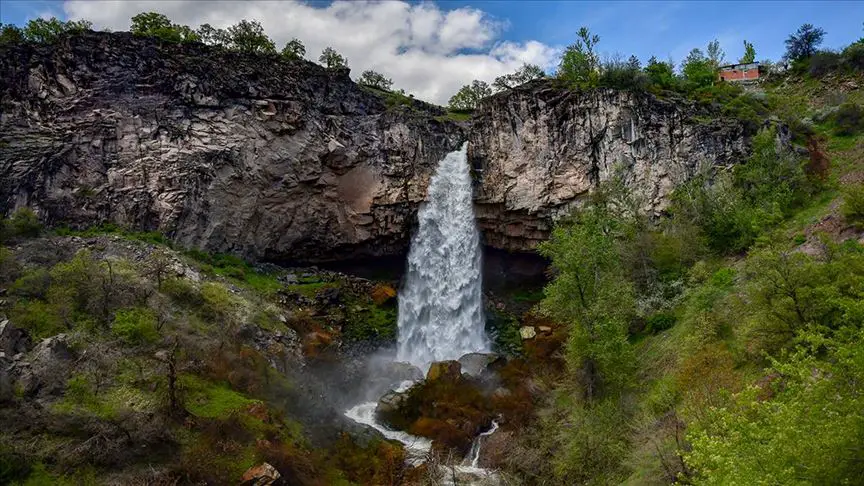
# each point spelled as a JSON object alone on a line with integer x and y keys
{"x": 441, "y": 302}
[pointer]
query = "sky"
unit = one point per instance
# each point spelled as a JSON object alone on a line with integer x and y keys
{"x": 432, "y": 48}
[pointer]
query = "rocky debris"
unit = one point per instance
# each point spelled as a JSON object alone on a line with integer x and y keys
{"x": 13, "y": 341}
{"x": 479, "y": 364}
{"x": 281, "y": 348}
{"x": 444, "y": 371}
{"x": 47, "y": 368}
{"x": 527, "y": 332}
{"x": 538, "y": 149}
{"x": 261, "y": 475}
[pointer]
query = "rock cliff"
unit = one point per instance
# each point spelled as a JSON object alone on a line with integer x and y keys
{"x": 219, "y": 150}
{"x": 288, "y": 161}
{"x": 538, "y": 149}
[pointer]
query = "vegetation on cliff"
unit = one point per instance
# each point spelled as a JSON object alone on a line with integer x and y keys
{"x": 722, "y": 343}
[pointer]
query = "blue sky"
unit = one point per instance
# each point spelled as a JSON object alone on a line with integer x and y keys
{"x": 432, "y": 48}
{"x": 643, "y": 28}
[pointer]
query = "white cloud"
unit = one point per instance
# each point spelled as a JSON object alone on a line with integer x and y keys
{"x": 428, "y": 51}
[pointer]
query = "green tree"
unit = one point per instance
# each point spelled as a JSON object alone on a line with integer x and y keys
{"x": 249, "y": 36}
{"x": 580, "y": 65}
{"x": 716, "y": 54}
{"x": 592, "y": 292}
{"x": 375, "y": 80}
{"x": 469, "y": 96}
{"x": 332, "y": 59}
{"x": 294, "y": 49}
{"x": 42, "y": 30}
{"x": 528, "y": 72}
{"x": 698, "y": 70}
{"x": 660, "y": 74}
{"x": 212, "y": 36}
{"x": 10, "y": 34}
{"x": 154, "y": 24}
{"x": 803, "y": 43}
{"x": 749, "y": 53}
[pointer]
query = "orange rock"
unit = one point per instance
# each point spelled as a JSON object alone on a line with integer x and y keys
{"x": 444, "y": 370}
{"x": 382, "y": 293}
{"x": 261, "y": 475}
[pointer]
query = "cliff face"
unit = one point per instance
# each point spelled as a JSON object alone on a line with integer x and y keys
{"x": 538, "y": 149}
{"x": 219, "y": 150}
{"x": 289, "y": 161}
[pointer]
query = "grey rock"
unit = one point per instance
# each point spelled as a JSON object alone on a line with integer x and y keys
{"x": 538, "y": 150}
{"x": 13, "y": 340}
{"x": 290, "y": 162}
{"x": 476, "y": 364}
{"x": 48, "y": 368}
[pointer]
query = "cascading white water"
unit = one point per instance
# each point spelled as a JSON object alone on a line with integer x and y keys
{"x": 441, "y": 302}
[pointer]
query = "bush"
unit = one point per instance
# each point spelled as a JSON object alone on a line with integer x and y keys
{"x": 622, "y": 75}
{"x": 25, "y": 223}
{"x": 660, "y": 321}
{"x": 182, "y": 291}
{"x": 853, "y": 204}
{"x": 135, "y": 326}
{"x": 853, "y": 56}
{"x": 38, "y": 317}
{"x": 848, "y": 119}
{"x": 823, "y": 62}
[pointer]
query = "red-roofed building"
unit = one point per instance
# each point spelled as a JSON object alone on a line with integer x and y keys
{"x": 740, "y": 72}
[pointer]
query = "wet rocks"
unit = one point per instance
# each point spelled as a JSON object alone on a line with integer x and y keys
{"x": 444, "y": 371}
{"x": 479, "y": 364}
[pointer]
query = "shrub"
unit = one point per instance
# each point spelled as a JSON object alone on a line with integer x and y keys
{"x": 182, "y": 291}
{"x": 848, "y": 119}
{"x": 853, "y": 204}
{"x": 823, "y": 62}
{"x": 38, "y": 317}
{"x": 33, "y": 284}
{"x": 622, "y": 75}
{"x": 135, "y": 326}
{"x": 853, "y": 56}
{"x": 660, "y": 322}
{"x": 24, "y": 222}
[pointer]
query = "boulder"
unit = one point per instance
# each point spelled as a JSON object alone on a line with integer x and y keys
{"x": 444, "y": 371}
{"x": 261, "y": 475}
{"x": 527, "y": 332}
{"x": 477, "y": 364}
{"x": 49, "y": 366}
{"x": 391, "y": 403}
{"x": 13, "y": 340}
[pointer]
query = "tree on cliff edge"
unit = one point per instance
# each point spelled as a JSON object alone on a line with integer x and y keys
{"x": 470, "y": 95}
{"x": 154, "y": 24}
{"x": 803, "y": 43}
{"x": 332, "y": 59}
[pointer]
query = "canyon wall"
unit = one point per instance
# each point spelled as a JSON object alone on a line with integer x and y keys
{"x": 288, "y": 161}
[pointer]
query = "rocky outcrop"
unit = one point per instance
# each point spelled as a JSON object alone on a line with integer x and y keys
{"x": 291, "y": 162}
{"x": 537, "y": 150}
{"x": 229, "y": 152}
